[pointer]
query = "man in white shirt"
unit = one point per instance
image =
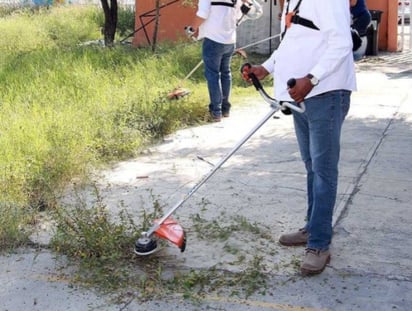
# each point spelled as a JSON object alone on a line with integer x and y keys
{"x": 216, "y": 22}
{"x": 317, "y": 52}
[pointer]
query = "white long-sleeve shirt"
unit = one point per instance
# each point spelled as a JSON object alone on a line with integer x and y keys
{"x": 220, "y": 21}
{"x": 325, "y": 53}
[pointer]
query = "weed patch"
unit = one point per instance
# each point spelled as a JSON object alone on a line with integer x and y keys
{"x": 69, "y": 107}
{"x": 14, "y": 224}
{"x": 102, "y": 249}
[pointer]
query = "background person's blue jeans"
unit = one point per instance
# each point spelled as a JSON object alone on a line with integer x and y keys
{"x": 217, "y": 58}
{"x": 318, "y": 132}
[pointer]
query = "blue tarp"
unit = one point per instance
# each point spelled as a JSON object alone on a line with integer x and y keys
{"x": 42, "y": 2}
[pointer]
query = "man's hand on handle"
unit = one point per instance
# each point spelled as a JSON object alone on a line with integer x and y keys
{"x": 302, "y": 88}
{"x": 258, "y": 70}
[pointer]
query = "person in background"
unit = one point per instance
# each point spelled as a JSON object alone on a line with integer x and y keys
{"x": 216, "y": 23}
{"x": 361, "y": 17}
{"x": 318, "y": 55}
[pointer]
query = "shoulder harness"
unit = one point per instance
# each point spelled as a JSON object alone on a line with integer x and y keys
{"x": 229, "y": 3}
{"x": 294, "y": 18}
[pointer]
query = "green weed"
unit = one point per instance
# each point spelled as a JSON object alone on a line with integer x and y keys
{"x": 14, "y": 226}
{"x": 69, "y": 106}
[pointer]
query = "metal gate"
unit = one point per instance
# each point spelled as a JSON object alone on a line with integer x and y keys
{"x": 404, "y": 25}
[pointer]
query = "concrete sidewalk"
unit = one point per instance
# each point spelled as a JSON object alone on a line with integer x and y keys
{"x": 264, "y": 184}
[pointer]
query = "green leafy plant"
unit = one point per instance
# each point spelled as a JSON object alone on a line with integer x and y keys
{"x": 125, "y": 20}
{"x": 14, "y": 226}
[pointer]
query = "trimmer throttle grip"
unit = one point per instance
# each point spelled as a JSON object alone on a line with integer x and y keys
{"x": 286, "y": 110}
{"x": 291, "y": 82}
{"x": 286, "y": 106}
{"x": 255, "y": 81}
{"x": 244, "y": 69}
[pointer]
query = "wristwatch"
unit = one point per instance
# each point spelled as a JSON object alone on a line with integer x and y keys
{"x": 313, "y": 80}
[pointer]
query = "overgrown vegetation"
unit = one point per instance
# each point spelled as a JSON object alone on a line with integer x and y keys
{"x": 12, "y": 219}
{"x": 103, "y": 251}
{"x": 69, "y": 106}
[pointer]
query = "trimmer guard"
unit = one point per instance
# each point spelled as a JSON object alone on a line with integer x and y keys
{"x": 177, "y": 93}
{"x": 170, "y": 230}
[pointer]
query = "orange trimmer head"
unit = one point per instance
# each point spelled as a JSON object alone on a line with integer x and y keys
{"x": 168, "y": 230}
{"x": 178, "y": 93}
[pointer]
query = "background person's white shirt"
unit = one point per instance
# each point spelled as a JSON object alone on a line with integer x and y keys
{"x": 220, "y": 21}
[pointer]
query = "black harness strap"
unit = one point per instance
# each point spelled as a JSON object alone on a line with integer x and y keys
{"x": 231, "y": 4}
{"x": 294, "y": 18}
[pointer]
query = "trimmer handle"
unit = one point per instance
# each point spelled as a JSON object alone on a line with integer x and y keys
{"x": 291, "y": 82}
{"x": 247, "y": 75}
{"x": 285, "y": 109}
{"x": 285, "y": 106}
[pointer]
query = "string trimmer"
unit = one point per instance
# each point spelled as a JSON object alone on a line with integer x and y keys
{"x": 168, "y": 228}
{"x": 180, "y": 91}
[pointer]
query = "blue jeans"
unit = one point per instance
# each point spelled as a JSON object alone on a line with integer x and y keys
{"x": 217, "y": 58}
{"x": 318, "y": 132}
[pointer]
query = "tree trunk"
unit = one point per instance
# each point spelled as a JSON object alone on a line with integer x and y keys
{"x": 110, "y": 21}
{"x": 156, "y": 27}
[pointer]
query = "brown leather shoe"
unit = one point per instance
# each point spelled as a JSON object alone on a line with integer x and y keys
{"x": 294, "y": 239}
{"x": 314, "y": 261}
{"x": 213, "y": 118}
